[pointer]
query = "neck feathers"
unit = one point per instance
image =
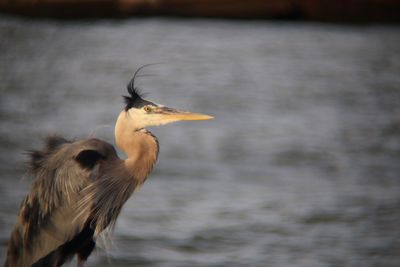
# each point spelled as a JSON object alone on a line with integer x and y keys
{"x": 140, "y": 145}
{"x": 142, "y": 155}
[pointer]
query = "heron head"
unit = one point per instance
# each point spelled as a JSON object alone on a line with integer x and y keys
{"x": 144, "y": 113}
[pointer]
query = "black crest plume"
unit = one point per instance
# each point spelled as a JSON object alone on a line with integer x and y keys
{"x": 135, "y": 96}
{"x": 134, "y": 92}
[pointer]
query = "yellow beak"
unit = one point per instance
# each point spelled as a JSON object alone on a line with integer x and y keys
{"x": 181, "y": 115}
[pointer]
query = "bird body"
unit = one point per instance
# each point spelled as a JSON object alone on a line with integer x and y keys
{"x": 80, "y": 187}
{"x": 61, "y": 171}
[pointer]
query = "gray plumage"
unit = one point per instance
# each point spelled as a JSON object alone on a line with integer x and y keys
{"x": 84, "y": 180}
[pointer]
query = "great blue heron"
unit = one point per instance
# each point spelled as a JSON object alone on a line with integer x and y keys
{"x": 81, "y": 186}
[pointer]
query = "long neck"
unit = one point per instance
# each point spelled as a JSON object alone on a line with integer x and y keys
{"x": 140, "y": 145}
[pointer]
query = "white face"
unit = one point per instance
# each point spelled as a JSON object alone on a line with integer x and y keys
{"x": 149, "y": 115}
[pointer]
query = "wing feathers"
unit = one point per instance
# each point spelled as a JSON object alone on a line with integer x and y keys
{"x": 62, "y": 169}
{"x": 37, "y": 158}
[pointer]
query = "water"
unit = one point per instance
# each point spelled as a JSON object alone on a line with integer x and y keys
{"x": 299, "y": 168}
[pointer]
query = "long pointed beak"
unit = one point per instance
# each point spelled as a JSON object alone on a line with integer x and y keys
{"x": 181, "y": 115}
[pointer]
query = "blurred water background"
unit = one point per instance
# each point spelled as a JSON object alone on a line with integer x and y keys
{"x": 300, "y": 167}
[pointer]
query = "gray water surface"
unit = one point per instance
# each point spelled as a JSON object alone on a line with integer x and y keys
{"x": 301, "y": 166}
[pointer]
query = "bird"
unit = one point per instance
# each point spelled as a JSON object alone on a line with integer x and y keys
{"x": 79, "y": 187}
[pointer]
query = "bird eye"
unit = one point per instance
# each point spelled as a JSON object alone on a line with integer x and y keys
{"x": 147, "y": 108}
